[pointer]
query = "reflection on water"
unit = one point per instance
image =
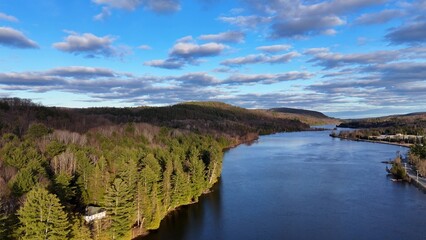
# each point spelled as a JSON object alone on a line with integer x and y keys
{"x": 175, "y": 225}
{"x": 303, "y": 185}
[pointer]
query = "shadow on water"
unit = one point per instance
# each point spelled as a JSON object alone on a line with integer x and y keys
{"x": 175, "y": 225}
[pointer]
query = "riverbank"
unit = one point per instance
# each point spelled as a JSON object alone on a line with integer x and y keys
{"x": 406, "y": 145}
{"x": 419, "y": 182}
{"x": 141, "y": 233}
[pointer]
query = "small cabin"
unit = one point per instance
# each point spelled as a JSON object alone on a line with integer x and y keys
{"x": 94, "y": 213}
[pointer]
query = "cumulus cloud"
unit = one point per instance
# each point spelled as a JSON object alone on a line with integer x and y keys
{"x": 197, "y": 79}
{"x": 106, "y": 84}
{"x": 9, "y": 18}
{"x": 80, "y": 72}
{"x": 410, "y": 33}
{"x": 28, "y": 79}
{"x": 90, "y": 45}
{"x": 145, "y": 47}
{"x": 77, "y": 79}
{"x": 298, "y": 19}
{"x": 193, "y": 50}
{"x": 274, "y": 48}
{"x": 400, "y": 73}
{"x": 380, "y": 17}
{"x": 158, "y": 6}
{"x": 102, "y": 83}
{"x": 10, "y": 37}
{"x": 224, "y": 37}
{"x": 122, "y": 4}
{"x": 323, "y": 57}
{"x": 106, "y": 12}
{"x": 186, "y": 39}
{"x": 261, "y": 58}
{"x": 401, "y": 83}
{"x": 301, "y": 27}
{"x": 238, "y": 79}
{"x": 251, "y": 21}
{"x": 169, "y": 63}
{"x": 186, "y": 51}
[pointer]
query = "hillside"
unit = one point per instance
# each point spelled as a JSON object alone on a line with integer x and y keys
{"x": 200, "y": 117}
{"x": 300, "y": 111}
{"x": 412, "y": 123}
{"x": 404, "y": 129}
{"x": 307, "y": 116}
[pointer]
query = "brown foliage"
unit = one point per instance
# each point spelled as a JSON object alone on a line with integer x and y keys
{"x": 64, "y": 163}
{"x": 67, "y": 137}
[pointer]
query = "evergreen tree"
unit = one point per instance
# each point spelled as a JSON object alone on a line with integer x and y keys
{"x": 27, "y": 177}
{"x": 196, "y": 168}
{"x": 42, "y": 216}
{"x": 150, "y": 197}
{"x": 167, "y": 184}
{"x": 80, "y": 231}
{"x": 118, "y": 203}
{"x": 182, "y": 189}
{"x": 3, "y": 219}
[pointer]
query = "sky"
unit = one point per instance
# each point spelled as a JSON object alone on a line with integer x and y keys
{"x": 346, "y": 58}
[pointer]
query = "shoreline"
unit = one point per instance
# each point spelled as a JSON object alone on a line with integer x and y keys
{"x": 248, "y": 140}
{"x": 145, "y": 232}
{"x": 406, "y": 145}
{"x": 413, "y": 178}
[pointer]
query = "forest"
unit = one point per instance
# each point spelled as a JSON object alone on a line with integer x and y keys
{"x": 402, "y": 129}
{"x": 135, "y": 164}
{"x": 417, "y": 157}
{"x": 408, "y": 124}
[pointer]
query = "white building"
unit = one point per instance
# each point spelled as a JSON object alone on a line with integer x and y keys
{"x": 94, "y": 213}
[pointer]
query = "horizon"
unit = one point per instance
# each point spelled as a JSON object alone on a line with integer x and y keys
{"x": 346, "y": 59}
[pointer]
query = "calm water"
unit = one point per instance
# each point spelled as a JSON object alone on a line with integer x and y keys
{"x": 303, "y": 185}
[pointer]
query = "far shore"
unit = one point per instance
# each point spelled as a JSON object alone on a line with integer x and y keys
{"x": 406, "y": 145}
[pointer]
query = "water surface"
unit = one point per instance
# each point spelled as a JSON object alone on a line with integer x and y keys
{"x": 303, "y": 185}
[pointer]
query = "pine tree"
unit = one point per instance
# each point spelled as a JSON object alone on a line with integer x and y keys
{"x": 182, "y": 188}
{"x": 118, "y": 204}
{"x": 42, "y": 216}
{"x": 80, "y": 231}
{"x": 3, "y": 219}
{"x": 196, "y": 169}
{"x": 167, "y": 185}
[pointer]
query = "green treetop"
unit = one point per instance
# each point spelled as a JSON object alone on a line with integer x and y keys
{"x": 42, "y": 216}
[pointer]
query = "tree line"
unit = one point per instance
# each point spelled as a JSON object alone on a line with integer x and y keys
{"x": 136, "y": 172}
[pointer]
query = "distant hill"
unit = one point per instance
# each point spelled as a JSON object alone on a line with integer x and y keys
{"x": 411, "y": 123}
{"x": 300, "y": 111}
{"x": 203, "y": 117}
{"x": 415, "y": 114}
{"x": 306, "y": 116}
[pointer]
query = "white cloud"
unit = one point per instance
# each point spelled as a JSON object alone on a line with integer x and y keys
{"x": 274, "y": 48}
{"x": 90, "y": 45}
{"x": 193, "y": 50}
{"x": 9, "y": 18}
{"x": 261, "y": 58}
{"x": 159, "y": 6}
{"x": 10, "y": 37}
{"x": 224, "y": 37}
{"x": 145, "y": 47}
{"x": 251, "y": 21}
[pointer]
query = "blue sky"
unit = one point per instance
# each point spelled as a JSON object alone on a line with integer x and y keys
{"x": 347, "y": 58}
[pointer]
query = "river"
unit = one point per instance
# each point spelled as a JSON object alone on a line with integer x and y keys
{"x": 303, "y": 185}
